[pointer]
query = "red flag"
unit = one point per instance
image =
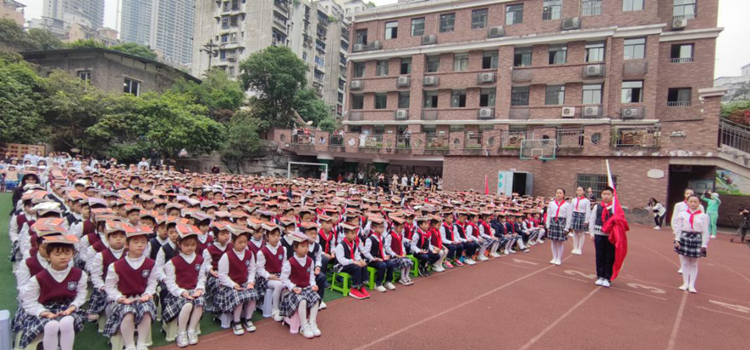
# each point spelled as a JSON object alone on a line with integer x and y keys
{"x": 486, "y": 185}
{"x": 617, "y": 227}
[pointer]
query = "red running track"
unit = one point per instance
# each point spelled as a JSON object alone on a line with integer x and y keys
{"x": 523, "y": 302}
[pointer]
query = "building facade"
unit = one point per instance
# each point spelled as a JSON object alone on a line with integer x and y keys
{"x": 733, "y": 83}
{"x": 542, "y": 91}
{"x": 164, "y": 25}
{"x": 86, "y": 12}
{"x": 12, "y": 10}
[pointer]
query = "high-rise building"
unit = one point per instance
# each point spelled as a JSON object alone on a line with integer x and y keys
{"x": 535, "y": 95}
{"x": 12, "y": 10}
{"x": 87, "y": 12}
{"x": 134, "y": 21}
{"x": 164, "y": 25}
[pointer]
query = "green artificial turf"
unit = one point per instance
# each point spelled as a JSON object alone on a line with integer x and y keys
{"x": 89, "y": 338}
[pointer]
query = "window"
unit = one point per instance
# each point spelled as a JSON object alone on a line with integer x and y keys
{"x": 460, "y": 62}
{"x": 558, "y": 54}
{"x": 340, "y": 98}
{"x": 682, "y": 53}
{"x": 359, "y": 69}
{"x": 361, "y": 36}
{"x": 551, "y": 9}
{"x": 381, "y": 69}
{"x": 433, "y": 64}
{"x": 391, "y": 30}
{"x": 223, "y": 55}
{"x": 519, "y": 96}
{"x": 225, "y": 38}
{"x": 595, "y": 181}
{"x": 85, "y": 75}
{"x": 304, "y": 56}
{"x": 358, "y": 101}
{"x": 632, "y": 91}
{"x": 478, "y": 18}
{"x": 514, "y": 14}
{"x": 132, "y": 87}
{"x": 447, "y": 22}
{"x": 592, "y": 94}
{"x": 417, "y": 26}
{"x": 489, "y": 60}
{"x": 225, "y": 22}
{"x": 458, "y": 98}
{"x": 403, "y": 99}
{"x": 233, "y": 38}
{"x": 684, "y": 9}
{"x": 595, "y": 52}
{"x": 430, "y": 99}
{"x": 591, "y": 7}
{"x": 555, "y": 95}
{"x": 406, "y": 66}
{"x": 522, "y": 57}
{"x": 487, "y": 98}
{"x": 679, "y": 97}
{"x": 230, "y": 71}
{"x": 318, "y": 75}
{"x": 635, "y": 49}
{"x": 320, "y": 61}
{"x": 381, "y": 101}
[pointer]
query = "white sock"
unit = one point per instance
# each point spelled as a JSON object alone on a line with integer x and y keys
{"x": 495, "y": 245}
{"x": 195, "y": 317}
{"x": 560, "y": 250}
{"x": 249, "y": 309}
{"x": 67, "y": 333}
{"x": 553, "y": 246}
{"x": 277, "y": 289}
{"x": 581, "y": 241}
{"x": 302, "y": 309}
{"x": 184, "y": 317}
{"x": 127, "y": 329}
{"x": 51, "y": 330}
{"x": 693, "y": 271}
{"x": 236, "y": 313}
{"x": 684, "y": 262}
{"x": 144, "y": 329}
{"x": 314, "y": 312}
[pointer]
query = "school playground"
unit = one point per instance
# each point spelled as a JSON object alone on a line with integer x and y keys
{"x": 516, "y": 302}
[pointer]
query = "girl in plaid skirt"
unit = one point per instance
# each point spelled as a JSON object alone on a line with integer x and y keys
{"x": 298, "y": 276}
{"x": 98, "y": 267}
{"x": 559, "y": 213}
{"x": 237, "y": 271}
{"x": 394, "y": 247}
{"x": 131, "y": 284}
{"x": 270, "y": 260}
{"x": 212, "y": 255}
{"x": 185, "y": 278}
{"x": 52, "y": 299}
{"x": 691, "y": 240}
{"x": 581, "y": 212}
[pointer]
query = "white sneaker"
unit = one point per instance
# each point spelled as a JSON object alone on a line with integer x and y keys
{"x": 684, "y": 287}
{"x": 692, "y": 289}
{"x": 656, "y": 227}
{"x": 482, "y": 258}
{"x": 598, "y": 282}
{"x": 605, "y": 283}
{"x": 141, "y": 347}
{"x": 558, "y": 262}
{"x": 679, "y": 271}
{"x": 713, "y": 237}
{"x": 276, "y": 316}
{"x": 193, "y": 337}
{"x": 314, "y": 327}
{"x": 404, "y": 282}
{"x": 237, "y": 329}
{"x": 381, "y": 289}
{"x": 552, "y": 261}
{"x": 249, "y": 326}
{"x": 574, "y": 252}
{"x": 390, "y": 286}
{"x": 506, "y": 252}
{"x": 322, "y": 305}
{"x": 307, "y": 332}
{"x": 494, "y": 255}
{"x": 438, "y": 268}
{"x": 512, "y": 251}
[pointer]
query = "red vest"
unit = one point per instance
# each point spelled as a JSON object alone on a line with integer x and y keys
{"x": 50, "y": 290}
{"x": 254, "y": 248}
{"x": 34, "y": 266}
{"x": 408, "y": 231}
{"x": 273, "y": 262}
{"x": 300, "y": 275}
{"x": 94, "y": 238}
{"x": 88, "y": 228}
{"x": 436, "y": 239}
{"x": 238, "y": 269}
{"x": 487, "y": 228}
{"x": 20, "y": 220}
{"x": 186, "y": 274}
{"x": 474, "y": 229}
{"x": 216, "y": 254}
{"x": 133, "y": 282}
{"x": 397, "y": 243}
{"x": 202, "y": 246}
{"x": 107, "y": 259}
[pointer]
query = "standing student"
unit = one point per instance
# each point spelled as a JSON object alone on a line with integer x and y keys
{"x": 394, "y": 247}
{"x": 52, "y": 298}
{"x": 712, "y": 210}
{"x": 270, "y": 260}
{"x": 679, "y": 208}
{"x": 376, "y": 256}
{"x": 559, "y": 214}
{"x": 298, "y": 277}
{"x": 659, "y": 212}
{"x": 580, "y": 224}
{"x": 350, "y": 261}
{"x": 605, "y": 250}
{"x": 691, "y": 241}
{"x": 237, "y": 293}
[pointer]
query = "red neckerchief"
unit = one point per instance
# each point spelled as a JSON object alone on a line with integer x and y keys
{"x": 487, "y": 227}
{"x": 351, "y": 248}
{"x": 559, "y": 205}
{"x": 605, "y": 212}
{"x": 422, "y": 235}
{"x": 475, "y": 229}
{"x": 380, "y": 245}
{"x": 327, "y": 239}
{"x": 436, "y": 234}
{"x": 395, "y": 234}
{"x": 692, "y": 216}
{"x": 578, "y": 200}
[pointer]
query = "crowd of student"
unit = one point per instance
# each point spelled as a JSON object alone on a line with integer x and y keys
{"x": 230, "y": 245}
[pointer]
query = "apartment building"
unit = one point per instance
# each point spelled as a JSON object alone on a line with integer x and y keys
{"x": 541, "y": 91}
{"x": 86, "y": 12}
{"x": 315, "y": 31}
{"x": 12, "y": 10}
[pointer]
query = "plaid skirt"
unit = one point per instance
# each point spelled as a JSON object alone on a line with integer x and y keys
{"x": 97, "y": 302}
{"x": 33, "y": 326}
{"x": 291, "y": 300}
{"x": 119, "y": 311}
{"x": 261, "y": 284}
{"x": 487, "y": 243}
{"x": 227, "y": 298}
{"x": 400, "y": 263}
{"x": 557, "y": 230}
{"x": 18, "y": 319}
{"x": 579, "y": 222}
{"x": 212, "y": 287}
{"x": 690, "y": 244}
{"x": 172, "y": 305}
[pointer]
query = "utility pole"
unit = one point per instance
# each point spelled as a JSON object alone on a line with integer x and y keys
{"x": 211, "y": 49}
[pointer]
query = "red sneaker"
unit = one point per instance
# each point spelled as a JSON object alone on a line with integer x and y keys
{"x": 354, "y": 293}
{"x": 458, "y": 263}
{"x": 364, "y": 292}
{"x": 448, "y": 264}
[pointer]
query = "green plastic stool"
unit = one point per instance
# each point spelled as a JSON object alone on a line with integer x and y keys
{"x": 415, "y": 268}
{"x": 343, "y": 286}
{"x": 371, "y": 271}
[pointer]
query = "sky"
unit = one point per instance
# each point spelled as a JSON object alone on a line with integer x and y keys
{"x": 732, "y": 51}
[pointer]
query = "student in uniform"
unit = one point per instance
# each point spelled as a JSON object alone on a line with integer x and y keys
{"x": 270, "y": 260}
{"x": 99, "y": 264}
{"x": 212, "y": 255}
{"x": 421, "y": 246}
{"x": 559, "y": 215}
{"x": 288, "y": 226}
{"x": 455, "y": 247}
{"x": 315, "y": 252}
{"x": 131, "y": 284}
{"x": 161, "y": 238}
{"x": 580, "y": 224}
{"x": 257, "y": 242}
{"x": 472, "y": 233}
{"x": 237, "y": 293}
{"x": 691, "y": 240}
{"x": 459, "y": 234}
{"x": 487, "y": 233}
{"x": 185, "y": 278}
{"x": 394, "y": 247}
{"x": 376, "y": 257}
{"x": 442, "y": 250}
{"x": 298, "y": 277}
{"x": 203, "y": 222}
{"x": 350, "y": 261}
{"x": 327, "y": 241}
{"x": 53, "y": 297}
{"x": 605, "y": 251}
{"x": 679, "y": 208}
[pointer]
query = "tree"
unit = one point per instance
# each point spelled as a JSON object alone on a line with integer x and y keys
{"x": 743, "y": 93}
{"x": 85, "y": 44}
{"x": 21, "y": 93}
{"x": 737, "y": 111}
{"x": 13, "y": 36}
{"x": 242, "y": 140}
{"x": 43, "y": 39}
{"x": 309, "y": 106}
{"x": 330, "y": 124}
{"x": 220, "y": 94}
{"x": 135, "y": 50}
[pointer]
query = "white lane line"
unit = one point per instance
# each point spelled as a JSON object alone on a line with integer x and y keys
{"x": 722, "y": 312}
{"x": 677, "y": 321}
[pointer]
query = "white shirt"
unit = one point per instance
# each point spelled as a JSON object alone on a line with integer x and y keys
{"x": 368, "y": 247}
{"x": 581, "y": 205}
{"x": 415, "y": 242}
{"x": 678, "y": 208}
{"x": 96, "y": 267}
{"x": 700, "y": 224}
{"x": 341, "y": 258}
{"x": 286, "y": 271}
{"x": 30, "y": 295}
{"x": 260, "y": 259}
{"x": 86, "y": 249}
{"x": 170, "y": 277}
{"x": 207, "y": 254}
{"x": 566, "y": 212}
{"x": 23, "y": 274}
{"x": 110, "y": 285}
{"x": 388, "y": 245}
{"x": 160, "y": 261}
{"x": 224, "y": 279}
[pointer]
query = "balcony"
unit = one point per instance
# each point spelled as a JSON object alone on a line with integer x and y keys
{"x": 371, "y": 142}
{"x": 519, "y": 113}
{"x": 473, "y": 140}
{"x": 682, "y": 60}
{"x": 429, "y": 114}
{"x": 636, "y": 137}
{"x": 336, "y": 144}
{"x": 678, "y": 103}
{"x": 522, "y": 76}
{"x": 437, "y": 144}
{"x": 355, "y": 116}
{"x": 279, "y": 24}
{"x": 569, "y": 138}
{"x": 403, "y": 144}
{"x": 282, "y": 5}
{"x": 513, "y": 139}
{"x": 303, "y": 140}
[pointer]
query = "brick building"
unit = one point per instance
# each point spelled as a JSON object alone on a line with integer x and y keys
{"x": 478, "y": 87}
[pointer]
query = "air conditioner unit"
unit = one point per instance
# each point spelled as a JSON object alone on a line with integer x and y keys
{"x": 431, "y": 81}
{"x": 496, "y": 32}
{"x": 429, "y": 39}
{"x": 593, "y": 70}
{"x": 356, "y": 85}
{"x": 486, "y": 113}
{"x": 568, "y": 112}
{"x": 359, "y": 47}
{"x": 679, "y": 23}
{"x": 485, "y": 78}
{"x": 373, "y": 45}
{"x": 402, "y": 114}
{"x": 632, "y": 113}
{"x": 591, "y": 112}
{"x": 571, "y": 23}
{"x": 403, "y": 81}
